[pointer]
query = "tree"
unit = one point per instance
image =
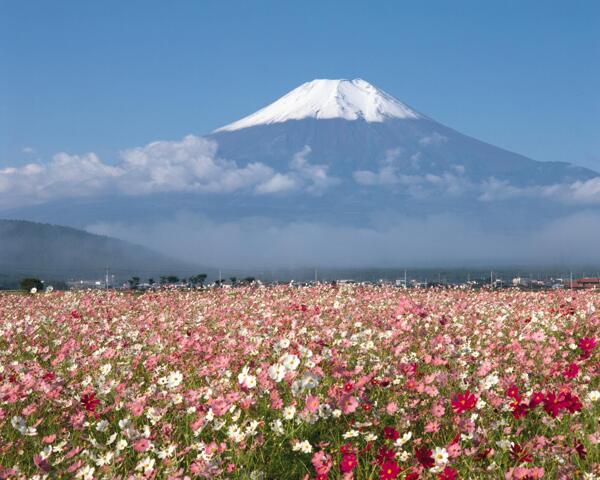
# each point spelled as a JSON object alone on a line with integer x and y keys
{"x": 198, "y": 279}
{"x": 151, "y": 281}
{"x": 233, "y": 280}
{"x": 134, "y": 282}
{"x": 29, "y": 283}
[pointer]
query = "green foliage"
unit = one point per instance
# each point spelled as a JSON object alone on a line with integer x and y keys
{"x": 28, "y": 283}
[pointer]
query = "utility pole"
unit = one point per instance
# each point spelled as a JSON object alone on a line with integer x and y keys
{"x": 316, "y": 276}
{"x": 405, "y": 284}
{"x": 220, "y": 278}
{"x": 106, "y": 279}
{"x": 571, "y": 281}
{"x": 492, "y": 279}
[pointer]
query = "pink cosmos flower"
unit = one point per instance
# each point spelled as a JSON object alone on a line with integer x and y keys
{"x": 312, "y": 403}
{"x": 349, "y": 404}
{"x": 322, "y": 462}
{"x": 141, "y": 445}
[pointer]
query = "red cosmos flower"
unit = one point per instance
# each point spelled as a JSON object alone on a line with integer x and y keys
{"x": 463, "y": 402}
{"x": 48, "y": 377}
{"x": 571, "y": 371}
{"x": 513, "y": 392}
{"x": 389, "y": 470}
{"x": 580, "y": 449}
{"x": 385, "y": 455}
{"x": 587, "y": 345}
{"x": 536, "y": 399}
{"x": 412, "y": 476}
{"x": 390, "y": 433}
{"x": 449, "y": 473}
{"x": 348, "y": 387}
{"x": 520, "y": 455}
{"x": 346, "y": 448}
{"x": 89, "y": 401}
{"x": 75, "y": 314}
{"x": 519, "y": 410}
{"x": 571, "y": 402}
{"x": 554, "y": 404}
{"x": 484, "y": 453}
{"x": 348, "y": 463}
{"x": 424, "y": 456}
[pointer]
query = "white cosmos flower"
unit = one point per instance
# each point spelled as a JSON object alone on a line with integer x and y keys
{"x": 403, "y": 456}
{"x": 304, "y": 447}
{"x": 277, "y": 427}
{"x": 145, "y": 465}
{"x": 174, "y": 380}
{"x": 167, "y": 452}
{"x": 104, "y": 459}
{"x": 19, "y": 424}
{"x": 102, "y": 425}
{"x": 289, "y": 412}
{"x": 245, "y": 379}
{"x": 403, "y": 439}
{"x": 594, "y": 396}
{"x": 86, "y": 472}
{"x": 277, "y": 372}
{"x": 309, "y": 381}
{"x": 440, "y": 455}
{"x": 290, "y": 361}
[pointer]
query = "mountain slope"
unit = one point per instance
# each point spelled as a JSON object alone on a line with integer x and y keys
{"x": 62, "y": 253}
{"x": 351, "y": 126}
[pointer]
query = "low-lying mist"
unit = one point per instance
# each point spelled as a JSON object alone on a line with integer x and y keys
{"x": 392, "y": 241}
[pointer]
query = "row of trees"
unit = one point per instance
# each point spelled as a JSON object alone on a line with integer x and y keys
{"x": 193, "y": 281}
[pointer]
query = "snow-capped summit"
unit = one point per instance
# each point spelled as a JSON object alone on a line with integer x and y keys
{"x": 327, "y": 99}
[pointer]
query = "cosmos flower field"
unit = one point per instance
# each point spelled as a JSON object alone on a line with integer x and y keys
{"x": 325, "y": 382}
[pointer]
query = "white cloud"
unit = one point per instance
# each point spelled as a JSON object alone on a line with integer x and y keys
{"x": 393, "y": 240}
{"x": 577, "y": 193}
{"x": 434, "y": 139}
{"x": 64, "y": 175}
{"x": 449, "y": 183}
{"x": 187, "y": 165}
{"x": 316, "y": 176}
{"x": 28, "y": 150}
{"x": 276, "y": 184}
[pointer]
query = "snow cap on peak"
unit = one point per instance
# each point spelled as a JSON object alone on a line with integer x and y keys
{"x": 324, "y": 99}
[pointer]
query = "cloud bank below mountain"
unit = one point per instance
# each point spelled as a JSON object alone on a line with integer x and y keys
{"x": 193, "y": 165}
{"x": 434, "y": 240}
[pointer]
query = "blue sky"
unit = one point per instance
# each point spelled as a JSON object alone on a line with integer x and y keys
{"x": 102, "y": 76}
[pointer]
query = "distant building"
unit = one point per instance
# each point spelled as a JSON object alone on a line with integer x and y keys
{"x": 521, "y": 282}
{"x": 587, "y": 283}
{"x": 85, "y": 284}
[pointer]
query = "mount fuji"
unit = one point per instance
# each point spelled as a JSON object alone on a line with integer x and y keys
{"x": 334, "y": 158}
{"x": 363, "y": 133}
